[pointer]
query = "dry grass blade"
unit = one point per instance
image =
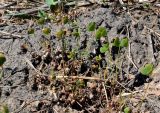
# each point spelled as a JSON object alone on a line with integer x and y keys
{"x": 80, "y": 77}
{"x": 9, "y": 34}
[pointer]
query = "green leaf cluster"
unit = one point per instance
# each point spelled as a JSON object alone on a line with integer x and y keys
{"x": 46, "y": 31}
{"x": 104, "y": 48}
{"x": 4, "y": 109}
{"x": 91, "y": 26}
{"x": 120, "y": 43}
{"x": 101, "y": 32}
{"x": 127, "y": 110}
{"x": 146, "y": 69}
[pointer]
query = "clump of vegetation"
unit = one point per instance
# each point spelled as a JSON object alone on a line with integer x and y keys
{"x": 127, "y": 110}
{"x": 146, "y": 69}
{"x": 4, "y": 109}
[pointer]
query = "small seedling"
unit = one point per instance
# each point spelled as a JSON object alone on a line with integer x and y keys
{"x": 104, "y": 48}
{"x": 98, "y": 58}
{"x": 120, "y": 43}
{"x": 72, "y": 54}
{"x": 127, "y": 110}
{"x": 116, "y": 42}
{"x": 2, "y": 59}
{"x": 91, "y": 26}
{"x": 46, "y": 31}
{"x": 101, "y": 32}
{"x": 146, "y": 69}
{"x": 60, "y": 34}
{"x": 124, "y": 42}
{"x": 30, "y": 31}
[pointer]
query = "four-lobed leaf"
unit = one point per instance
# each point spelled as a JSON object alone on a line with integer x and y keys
{"x": 146, "y": 69}
{"x": 91, "y": 26}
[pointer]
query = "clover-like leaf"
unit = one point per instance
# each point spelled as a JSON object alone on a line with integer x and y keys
{"x": 30, "y": 31}
{"x": 116, "y": 42}
{"x": 127, "y": 110}
{"x": 146, "y": 69}
{"x": 101, "y": 32}
{"x": 46, "y": 31}
{"x": 104, "y": 48}
{"x": 91, "y": 26}
{"x": 2, "y": 59}
{"x": 124, "y": 42}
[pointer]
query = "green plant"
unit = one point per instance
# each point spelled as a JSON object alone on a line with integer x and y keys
{"x": 46, "y": 31}
{"x": 101, "y": 32}
{"x": 60, "y": 34}
{"x": 116, "y": 42}
{"x": 104, "y": 48}
{"x": 72, "y": 54}
{"x": 146, "y": 69}
{"x": 4, "y": 109}
{"x": 124, "y": 42}
{"x": 91, "y": 26}
{"x": 42, "y": 14}
{"x": 120, "y": 43}
{"x": 127, "y": 110}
